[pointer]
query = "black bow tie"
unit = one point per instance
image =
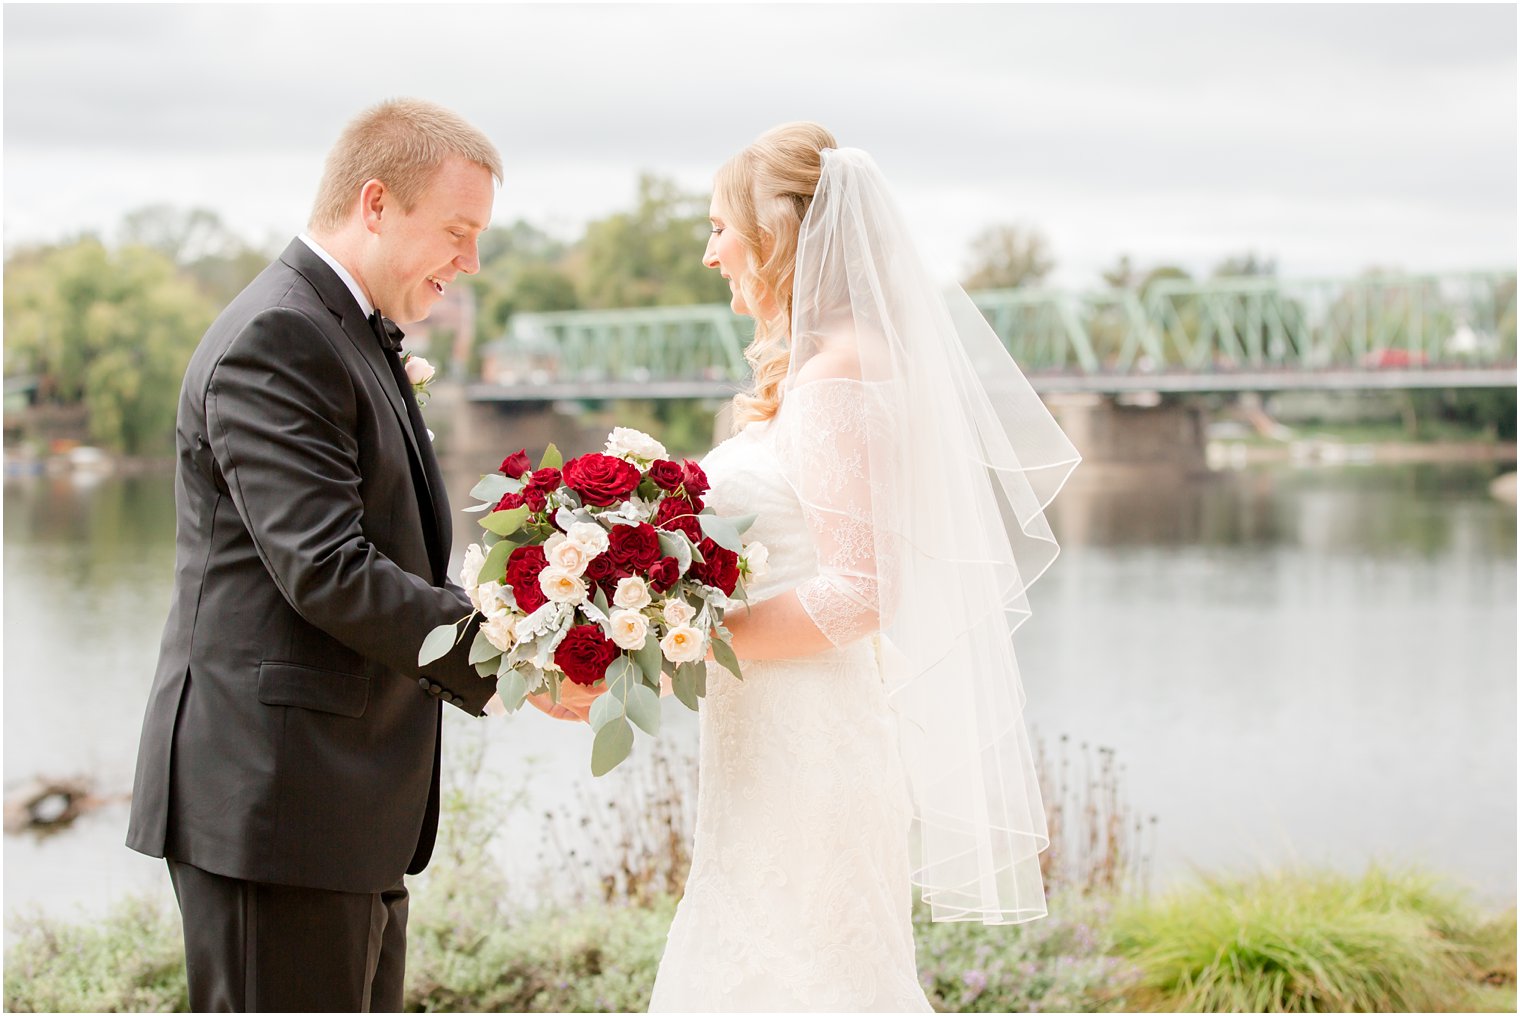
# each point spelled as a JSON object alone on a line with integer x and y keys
{"x": 386, "y": 331}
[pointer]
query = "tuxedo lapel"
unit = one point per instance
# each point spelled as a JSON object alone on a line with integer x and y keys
{"x": 356, "y": 327}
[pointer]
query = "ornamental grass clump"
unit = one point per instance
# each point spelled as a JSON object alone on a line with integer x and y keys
{"x": 1303, "y": 942}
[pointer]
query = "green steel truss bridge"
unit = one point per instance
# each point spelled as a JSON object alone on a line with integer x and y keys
{"x": 1224, "y": 335}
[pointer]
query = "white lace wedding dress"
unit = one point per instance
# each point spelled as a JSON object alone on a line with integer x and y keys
{"x": 799, "y": 896}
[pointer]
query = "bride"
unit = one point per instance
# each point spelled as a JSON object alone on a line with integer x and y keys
{"x": 899, "y": 464}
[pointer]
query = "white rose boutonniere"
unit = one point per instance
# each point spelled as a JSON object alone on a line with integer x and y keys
{"x": 420, "y": 373}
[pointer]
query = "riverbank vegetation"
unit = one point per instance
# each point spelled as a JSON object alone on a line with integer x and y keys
{"x": 1292, "y": 941}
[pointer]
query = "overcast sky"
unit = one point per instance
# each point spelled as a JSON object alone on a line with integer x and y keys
{"x": 1329, "y": 138}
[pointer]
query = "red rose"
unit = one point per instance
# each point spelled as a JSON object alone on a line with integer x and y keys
{"x": 721, "y": 568}
{"x": 677, "y": 514}
{"x": 601, "y": 479}
{"x": 545, "y": 479}
{"x": 535, "y": 499}
{"x": 516, "y": 464}
{"x": 601, "y": 567}
{"x": 523, "y": 567}
{"x": 666, "y": 475}
{"x": 664, "y": 573}
{"x": 585, "y": 654}
{"x": 635, "y": 547}
{"x": 509, "y": 500}
{"x": 695, "y": 479}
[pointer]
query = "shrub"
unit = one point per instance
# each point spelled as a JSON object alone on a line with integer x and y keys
{"x": 1303, "y": 942}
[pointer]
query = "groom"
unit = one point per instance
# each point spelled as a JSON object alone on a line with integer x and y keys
{"x": 288, "y": 768}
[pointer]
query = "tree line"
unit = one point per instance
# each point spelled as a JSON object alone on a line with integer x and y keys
{"x": 112, "y": 326}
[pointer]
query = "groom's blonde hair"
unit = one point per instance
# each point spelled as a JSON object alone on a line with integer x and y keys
{"x": 766, "y": 190}
{"x": 401, "y": 143}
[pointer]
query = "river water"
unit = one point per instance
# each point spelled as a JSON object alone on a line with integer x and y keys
{"x": 1312, "y": 665}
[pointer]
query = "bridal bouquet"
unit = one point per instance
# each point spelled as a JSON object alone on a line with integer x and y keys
{"x": 607, "y": 571}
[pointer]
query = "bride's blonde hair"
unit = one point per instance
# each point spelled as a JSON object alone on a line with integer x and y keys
{"x": 766, "y": 190}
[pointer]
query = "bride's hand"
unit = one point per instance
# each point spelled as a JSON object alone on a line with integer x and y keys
{"x": 574, "y": 701}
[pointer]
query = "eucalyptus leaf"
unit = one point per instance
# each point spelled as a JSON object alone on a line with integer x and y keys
{"x": 493, "y": 485}
{"x": 494, "y": 568}
{"x": 612, "y": 745}
{"x": 486, "y": 668}
{"x": 504, "y": 523}
{"x": 675, "y": 545}
{"x": 513, "y": 690}
{"x": 604, "y": 710}
{"x": 600, "y": 599}
{"x": 483, "y": 506}
{"x": 721, "y": 531}
{"x": 684, "y": 684}
{"x": 724, "y": 654}
{"x": 622, "y": 673}
{"x": 552, "y": 458}
{"x": 696, "y": 555}
{"x": 438, "y": 643}
{"x": 481, "y": 649}
{"x": 743, "y": 522}
{"x": 644, "y": 709}
{"x": 648, "y": 658}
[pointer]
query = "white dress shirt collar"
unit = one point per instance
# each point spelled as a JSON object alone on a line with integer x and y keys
{"x": 348, "y": 280}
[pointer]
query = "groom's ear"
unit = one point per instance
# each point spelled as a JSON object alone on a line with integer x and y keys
{"x": 374, "y": 199}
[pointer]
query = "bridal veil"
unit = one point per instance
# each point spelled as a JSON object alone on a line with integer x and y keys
{"x": 924, "y": 462}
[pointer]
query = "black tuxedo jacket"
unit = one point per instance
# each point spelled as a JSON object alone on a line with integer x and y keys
{"x": 287, "y": 739}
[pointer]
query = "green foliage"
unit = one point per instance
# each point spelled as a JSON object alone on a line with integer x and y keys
{"x": 652, "y": 255}
{"x": 1007, "y": 257}
{"x": 113, "y": 329}
{"x": 130, "y": 961}
{"x": 1487, "y": 410}
{"x": 1296, "y": 942}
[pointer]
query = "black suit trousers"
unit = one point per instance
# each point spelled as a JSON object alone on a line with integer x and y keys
{"x": 257, "y": 947}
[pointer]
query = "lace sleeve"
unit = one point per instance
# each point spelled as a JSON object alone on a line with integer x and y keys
{"x": 830, "y": 421}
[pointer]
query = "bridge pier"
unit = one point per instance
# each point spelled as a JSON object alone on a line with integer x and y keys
{"x": 1135, "y": 434}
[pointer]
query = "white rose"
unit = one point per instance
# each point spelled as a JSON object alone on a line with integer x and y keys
{"x": 757, "y": 558}
{"x": 501, "y": 631}
{"x": 627, "y": 443}
{"x": 678, "y": 612}
{"x": 589, "y": 535}
{"x": 562, "y": 587}
{"x": 567, "y": 554}
{"x": 629, "y": 629}
{"x": 491, "y": 599}
{"x": 684, "y": 645}
{"x": 418, "y": 370}
{"x": 469, "y": 568}
{"x": 631, "y": 594}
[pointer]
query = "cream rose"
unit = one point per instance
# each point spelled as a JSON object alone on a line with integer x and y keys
{"x": 567, "y": 554}
{"x": 500, "y": 631}
{"x": 678, "y": 612}
{"x": 757, "y": 558}
{"x": 684, "y": 645}
{"x": 590, "y": 536}
{"x": 630, "y": 629}
{"x": 562, "y": 587}
{"x": 631, "y": 594}
{"x": 469, "y": 569}
{"x": 491, "y": 599}
{"x": 627, "y": 443}
{"x": 418, "y": 370}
